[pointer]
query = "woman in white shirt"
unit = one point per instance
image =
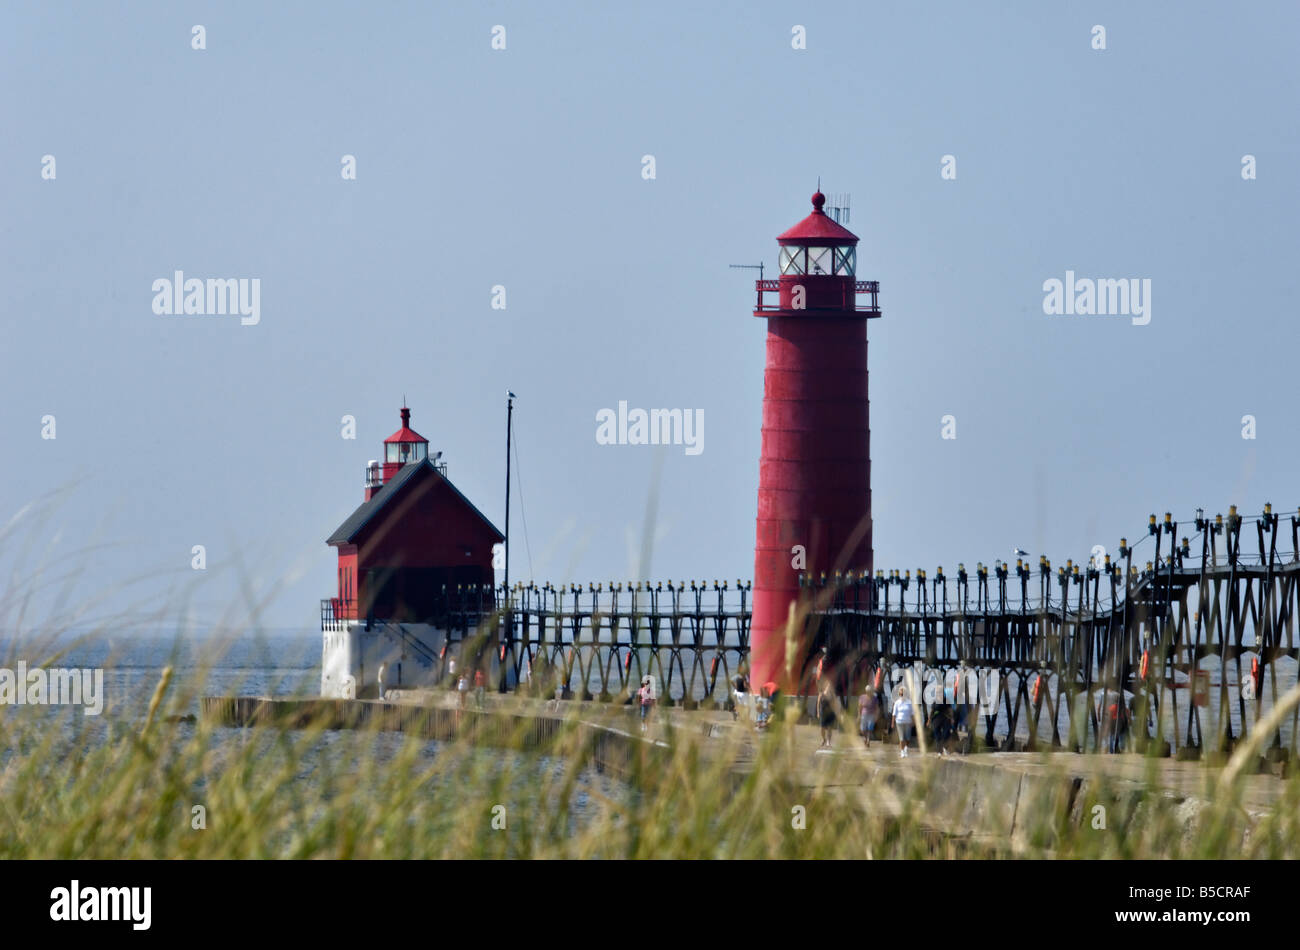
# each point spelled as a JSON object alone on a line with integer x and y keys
{"x": 902, "y": 719}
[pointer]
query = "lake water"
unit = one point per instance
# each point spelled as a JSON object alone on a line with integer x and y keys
{"x": 280, "y": 666}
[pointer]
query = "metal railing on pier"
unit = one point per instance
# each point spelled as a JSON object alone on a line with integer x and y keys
{"x": 1066, "y": 645}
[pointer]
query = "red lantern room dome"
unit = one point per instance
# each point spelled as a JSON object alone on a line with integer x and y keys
{"x": 406, "y": 433}
{"x": 818, "y": 228}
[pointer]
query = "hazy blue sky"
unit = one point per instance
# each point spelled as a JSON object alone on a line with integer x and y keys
{"x": 522, "y": 167}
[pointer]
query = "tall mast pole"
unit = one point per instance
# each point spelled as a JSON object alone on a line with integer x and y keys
{"x": 510, "y": 410}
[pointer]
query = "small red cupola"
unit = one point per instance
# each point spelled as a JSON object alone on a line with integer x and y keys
{"x": 403, "y": 446}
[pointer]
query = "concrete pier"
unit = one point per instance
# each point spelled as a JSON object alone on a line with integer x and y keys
{"x": 1001, "y": 797}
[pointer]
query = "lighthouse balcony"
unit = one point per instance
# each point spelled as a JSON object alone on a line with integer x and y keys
{"x": 457, "y": 605}
{"x": 818, "y": 293}
{"x": 336, "y": 612}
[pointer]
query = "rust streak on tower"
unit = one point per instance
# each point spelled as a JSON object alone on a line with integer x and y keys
{"x": 814, "y": 486}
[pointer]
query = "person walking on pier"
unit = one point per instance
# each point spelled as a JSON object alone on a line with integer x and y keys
{"x": 941, "y": 727}
{"x": 1116, "y": 722}
{"x": 740, "y": 699}
{"x": 901, "y": 718}
{"x": 480, "y": 687}
{"x": 763, "y": 707}
{"x": 826, "y": 713}
{"x": 868, "y": 713}
{"x": 645, "y": 696}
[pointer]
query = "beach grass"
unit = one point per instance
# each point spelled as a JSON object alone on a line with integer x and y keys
{"x": 158, "y": 786}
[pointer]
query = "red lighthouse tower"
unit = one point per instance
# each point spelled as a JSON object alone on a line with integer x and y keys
{"x": 814, "y": 484}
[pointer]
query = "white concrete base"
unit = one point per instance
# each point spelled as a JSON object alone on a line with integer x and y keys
{"x": 357, "y": 663}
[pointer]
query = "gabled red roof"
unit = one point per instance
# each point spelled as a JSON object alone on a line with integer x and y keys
{"x": 349, "y": 530}
{"x": 818, "y": 228}
{"x": 406, "y": 433}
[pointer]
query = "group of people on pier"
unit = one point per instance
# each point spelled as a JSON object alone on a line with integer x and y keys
{"x": 947, "y": 723}
{"x": 752, "y": 707}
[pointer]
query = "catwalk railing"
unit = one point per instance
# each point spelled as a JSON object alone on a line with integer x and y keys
{"x": 599, "y": 641}
{"x": 1185, "y": 641}
{"x": 1088, "y": 657}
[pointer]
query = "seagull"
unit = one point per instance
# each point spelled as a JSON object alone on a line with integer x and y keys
{"x": 1022, "y": 554}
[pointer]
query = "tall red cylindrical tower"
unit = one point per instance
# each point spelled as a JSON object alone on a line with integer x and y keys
{"x": 814, "y": 482}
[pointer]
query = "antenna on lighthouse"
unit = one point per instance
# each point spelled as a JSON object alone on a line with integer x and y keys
{"x": 839, "y": 208}
{"x": 758, "y": 267}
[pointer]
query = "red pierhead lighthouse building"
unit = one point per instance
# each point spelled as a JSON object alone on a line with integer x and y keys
{"x": 405, "y": 555}
{"x": 414, "y": 535}
{"x": 814, "y": 485}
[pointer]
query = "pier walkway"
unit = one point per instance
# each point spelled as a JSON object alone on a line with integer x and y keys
{"x": 983, "y": 796}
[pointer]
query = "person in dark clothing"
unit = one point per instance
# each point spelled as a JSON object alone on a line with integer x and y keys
{"x": 1119, "y": 715}
{"x": 962, "y": 726}
{"x": 941, "y": 726}
{"x": 826, "y": 713}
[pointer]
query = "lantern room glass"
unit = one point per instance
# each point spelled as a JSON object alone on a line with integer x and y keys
{"x": 841, "y": 261}
{"x": 792, "y": 260}
{"x": 819, "y": 260}
{"x": 845, "y": 260}
{"x": 406, "y": 451}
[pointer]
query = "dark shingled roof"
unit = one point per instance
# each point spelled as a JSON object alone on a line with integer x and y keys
{"x": 349, "y": 529}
